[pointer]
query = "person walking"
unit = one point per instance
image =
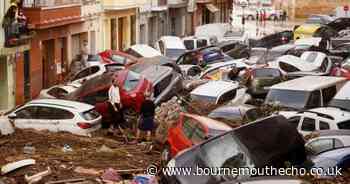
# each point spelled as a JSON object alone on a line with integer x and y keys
{"x": 146, "y": 120}
{"x": 284, "y": 15}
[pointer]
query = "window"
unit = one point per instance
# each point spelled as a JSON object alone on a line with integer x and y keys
{"x": 57, "y": 92}
{"x": 96, "y": 97}
{"x": 314, "y": 99}
{"x": 321, "y": 145}
{"x": 63, "y": 114}
{"x": 202, "y": 43}
{"x": 188, "y": 127}
{"x": 228, "y": 47}
{"x": 26, "y": 113}
{"x": 82, "y": 74}
{"x": 198, "y": 134}
{"x": 118, "y": 59}
{"x": 94, "y": 70}
{"x": 189, "y": 44}
{"x": 227, "y": 96}
{"x": 344, "y": 125}
{"x": 91, "y": 115}
{"x": 294, "y": 121}
{"x": 131, "y": 81}
{"x": 324, "y": 125}
{"x": 51, "y": 113}
{"x": 308, "y": 124}
{"x": 328, "y": 94}
{"x": 162, "y": 85}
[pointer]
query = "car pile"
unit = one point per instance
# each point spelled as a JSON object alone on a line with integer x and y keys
{"x": 223, "y": 100}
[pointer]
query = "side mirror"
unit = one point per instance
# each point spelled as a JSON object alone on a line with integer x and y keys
{"x": 12, "y": 116}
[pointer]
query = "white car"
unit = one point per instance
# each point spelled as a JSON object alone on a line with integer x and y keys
{"x": 305, "y": 92}
{"x": 193, "y": 42}
{"x": 224, "y": 91}
{"x": 93, "y": 71}
{"x": 171, "y": 46}
{"x": 58, "y": 91}
{"x": 342, "y": 98}
{"x": 143, "y": 50}
{"x": 323, "y": 118}
{"x": 328, "y": 140}
{"x": 57, "y": 115}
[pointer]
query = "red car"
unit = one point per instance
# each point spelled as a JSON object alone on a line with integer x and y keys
{"x": 190, "y": 130}
{"x": 340, "y": 72}
{"x": 113, "y": 56}
{"x": 132, "y": 88}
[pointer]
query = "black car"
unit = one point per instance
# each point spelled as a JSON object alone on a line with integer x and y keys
{"x": 272, "y": 40}
{"x": 202, "y": 56}
{"x": 234, "y": 49}
{"x": 266, "y": 142}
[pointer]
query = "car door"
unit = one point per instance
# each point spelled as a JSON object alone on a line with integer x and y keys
{"x": 323, "y": 144}
{"x": 65, "y": 120}
{"x": 46, "y": 119}
{"x": 184, "y": 134}
{"x": 307, "y": 125}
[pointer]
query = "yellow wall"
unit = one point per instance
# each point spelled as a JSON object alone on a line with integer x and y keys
{"x": 120, "y": 3}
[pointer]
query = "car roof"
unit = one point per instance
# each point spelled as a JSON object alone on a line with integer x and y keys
{"x": 62, "y": 104}
{"x": 336, "y": 114}
{"x": 155, "y": 73}
{"x": 145, "y": 50}
{"x": 210, "y": 123}
{"x": 343, "y": 93}
{"x": 173, "y": 42}
{"x": 219, "y": 86}
{"x": 308, "y": 83}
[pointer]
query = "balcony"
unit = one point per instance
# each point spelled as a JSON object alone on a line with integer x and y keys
{"x": 42, "y": 14}
{"x": 120, "y": 4}
{"x": 177, "y": 3}
{"x": 91, "y": 9}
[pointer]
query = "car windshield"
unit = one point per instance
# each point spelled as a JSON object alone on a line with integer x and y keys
{"x": 340, "y": 103}
{"x": 266, "y": 72}
{"x": 288, "y": 98}
{"x": 174, "y": 53}
{"x": 94, "y": 58}
{"x": 118, "y": 59}
{"x": 226, "y": 152}
{"x": 131, "y": 81}
{"x": 90, "y": 115}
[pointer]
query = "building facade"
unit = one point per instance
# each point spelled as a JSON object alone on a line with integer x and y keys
{"x": 14, "y": 58}
{"x": 119, "y": 24}
{"x": 62, "y": 28}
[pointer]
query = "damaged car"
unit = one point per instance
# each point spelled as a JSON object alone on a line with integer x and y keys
{"x": 241, "y": 147}
{"x": 272, "y": 40}
{"x": 166, "y": 82}
{"x": 259, "y": 80}
{"x": 117, "y": 57}
{"x": 132, "y": 87}
{"x": 201, "y": 57}
{"x": 56, "y": 115}
{"x": 190, "y": 130}
{"x": 235, "y": 115}
{"x": 142, "y": 50}
{"x": 305, "y": 92}
{"x": 234, "y": 49}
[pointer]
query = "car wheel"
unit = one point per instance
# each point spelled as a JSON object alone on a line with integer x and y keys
{"x": 165, "y": 156}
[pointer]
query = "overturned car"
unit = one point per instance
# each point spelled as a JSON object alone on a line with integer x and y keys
{"x": 241, "y": 147}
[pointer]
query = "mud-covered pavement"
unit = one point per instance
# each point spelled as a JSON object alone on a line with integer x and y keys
{"x": 86, "y": 153}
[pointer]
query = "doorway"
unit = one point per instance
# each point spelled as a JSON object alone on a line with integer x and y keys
{"x": 48, "y": 63}
{"x": 27, "y": 86}
{"x": 114, "y": 34}
{"x": 120, "y": 33}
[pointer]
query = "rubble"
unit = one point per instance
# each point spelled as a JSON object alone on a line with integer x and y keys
{"x": 16, "y": 165}
{"x": 111, "y": 175}
{"x": 37, "y": 177}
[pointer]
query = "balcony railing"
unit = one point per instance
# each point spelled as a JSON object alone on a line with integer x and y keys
{"x": 49, "y": 3}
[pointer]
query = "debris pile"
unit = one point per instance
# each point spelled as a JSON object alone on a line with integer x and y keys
{"x": 64, "y": 157}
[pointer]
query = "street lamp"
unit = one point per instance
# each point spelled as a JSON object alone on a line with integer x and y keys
{"x": 243, "y": 5}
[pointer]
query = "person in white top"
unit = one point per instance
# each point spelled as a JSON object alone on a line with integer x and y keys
{"x": 115, "y": 106}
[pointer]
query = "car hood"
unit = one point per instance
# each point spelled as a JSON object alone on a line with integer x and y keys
{"x": 297, "y": 62}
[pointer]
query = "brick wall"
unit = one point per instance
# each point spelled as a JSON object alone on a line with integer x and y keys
{"x": 316, "y": 7}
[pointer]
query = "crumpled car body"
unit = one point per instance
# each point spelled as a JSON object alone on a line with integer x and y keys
{"x": 131, "y": 85}
{"x": 166, "y": 82}
{"x": 242, "y": 147}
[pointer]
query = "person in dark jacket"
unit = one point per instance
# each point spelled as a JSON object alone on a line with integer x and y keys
{"x": 146, "y": 121}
